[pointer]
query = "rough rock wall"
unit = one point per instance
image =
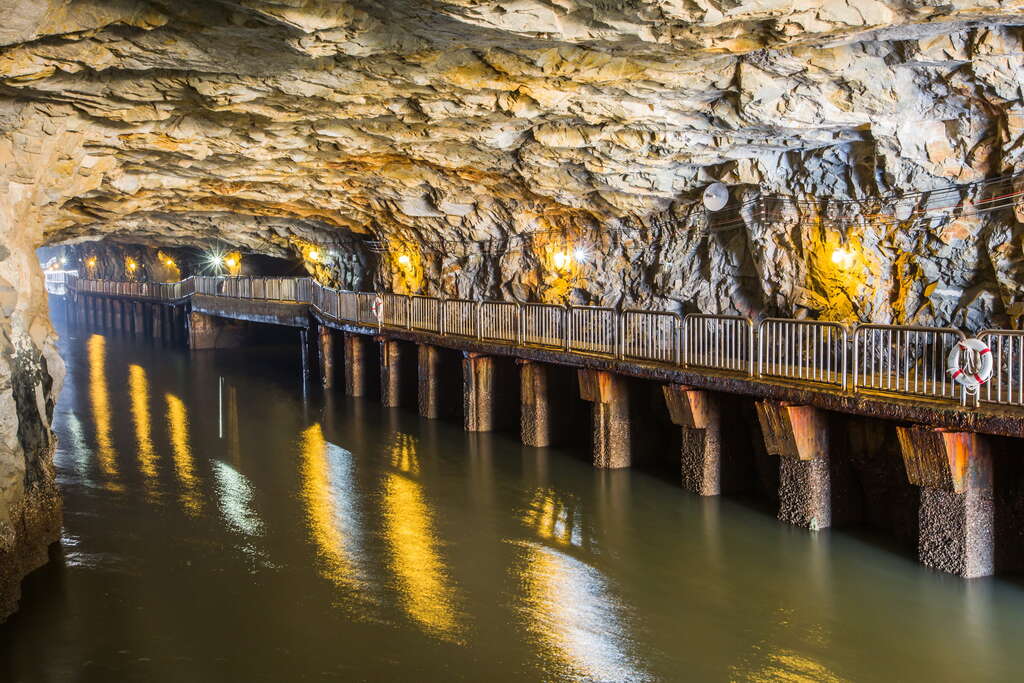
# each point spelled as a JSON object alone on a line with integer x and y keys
{"x": 447, "y": 131}
{"x": 31, "y": 371}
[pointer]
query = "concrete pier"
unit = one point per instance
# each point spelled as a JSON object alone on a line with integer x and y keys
{"x": 429, "y": 381}
{"x": 325, "y": 354}
{"x": 955, "y": 517}
{"x": 158, "y": 322}
{"x": 390, "y": 373}
{"x": 478, "y": 392}
{"x": 117, "y": 311}
{"x": 534, "y": 409}
{"x": 138, "y": 318}
{"x": 698, "y": 416}
{"x": 799, "y": 437}
{"x": 355, "y": 364}
{"x": 610, "y": 436}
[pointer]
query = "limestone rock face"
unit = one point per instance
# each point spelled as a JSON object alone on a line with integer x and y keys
{"x": 481, "y": 138}
{"x": 517, "y": 148}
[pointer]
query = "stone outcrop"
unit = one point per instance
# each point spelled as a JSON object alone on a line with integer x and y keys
{"x": 466, "y": 147}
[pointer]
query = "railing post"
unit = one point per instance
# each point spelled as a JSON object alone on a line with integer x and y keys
{"x": 479, "y": 319}
{"x": 750, "y": 345}
{"x": 441, "y": 326}
{"x": 408, "y": 311}
{"x": 677, "y": 339}
{"x": 760, "y": 348}
{"x": 620, "y": 334}
{"x": 519, "y": 324}
{"x": 565, "y": 327}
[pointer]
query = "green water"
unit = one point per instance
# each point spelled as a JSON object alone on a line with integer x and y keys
{"x": 238, "y": 532}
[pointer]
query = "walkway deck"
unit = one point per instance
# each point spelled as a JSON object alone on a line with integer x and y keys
{"x": 297, "y": 301}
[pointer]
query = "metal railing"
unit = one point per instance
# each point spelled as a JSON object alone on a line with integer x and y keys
{"x": 886, "y": 359}
{"x": 290, "y": 289}
{"x": 718, "y": 342}
{"x": 459, "y": 317}
{"x": 499, "y": 321}
{"x": 1007, "y": 383}
{"x": 425, "y": 313}
{"x": 807, "y": 350}
{"x": 593, "y": 329}
{"x": 543, "y": 325}
{"x": 650, "y": 335}
{"x": 896, "y": 359}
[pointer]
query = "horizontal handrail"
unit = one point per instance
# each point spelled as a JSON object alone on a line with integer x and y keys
{"x": 899, "y": 360}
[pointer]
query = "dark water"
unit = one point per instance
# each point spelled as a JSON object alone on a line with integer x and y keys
{"x": 244, "y": 534}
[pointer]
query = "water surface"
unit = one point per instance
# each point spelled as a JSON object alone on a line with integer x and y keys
{"x": 220, "y": 527}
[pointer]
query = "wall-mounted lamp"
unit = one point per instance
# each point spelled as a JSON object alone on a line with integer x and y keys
{"x": 842, "y": 258}
{"x": 403, "y": 260}
{"x": 561, "y": 260}
{"x": 314, "y": 255}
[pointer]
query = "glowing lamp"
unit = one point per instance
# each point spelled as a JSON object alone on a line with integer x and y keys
{"x": 91, "y": 262}
{"x": 132, "y": 265}
{"x": 842, "y": 258}
{"x": 560, "y": 259}
{"x": 314, "y": 255}
{"x": 403, "y": 260}
{"x": 231, "y": 262}
{"x": 580, "y": 254}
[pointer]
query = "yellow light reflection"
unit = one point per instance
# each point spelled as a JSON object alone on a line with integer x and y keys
{"x": 426, "y": 591}
{"x": 790, "y": 667}
{"x": 574, "y": 619}
{"x": 138, "y": 391}
{"x": 403, "y": 454}
{"x": 99, "y": 396}
{"x": 552, "y": 519}
{"x": 177, "y": 422}
{"x": 329, "y": 512}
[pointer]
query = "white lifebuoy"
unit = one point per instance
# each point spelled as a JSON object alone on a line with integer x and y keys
{"x": 977, "y": 368}
{"x": 378, "y": 307}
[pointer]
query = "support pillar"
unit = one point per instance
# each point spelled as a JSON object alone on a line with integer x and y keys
{"x": 534, "y": 411}
{"x": 799, "y": 436}
{"x": 698, "y": 416}
{"x": 354, "y": 365}
{"x": 158, "y": 328}
{"x": 202, "y": 332}
{"x": 390, "y": 373}
{"x": 955, "y": 516}
{"x": 429, "y": 384}
{"x": 325, "y": 353}
{"x": 108, "y": 313}
{"x": 477, "y": 392}
{"x": 138, "y": 319}
{"x": 118, "y": 314}
{"x": 304, "y": 355}
{"x": 609, "y": 397}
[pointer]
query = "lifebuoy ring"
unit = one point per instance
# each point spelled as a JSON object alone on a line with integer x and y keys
{"x": 378, "y": 307}
{"x": 977, "y": 368}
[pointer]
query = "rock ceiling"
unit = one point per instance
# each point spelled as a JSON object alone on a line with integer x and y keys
{"x": 264, "y": 122}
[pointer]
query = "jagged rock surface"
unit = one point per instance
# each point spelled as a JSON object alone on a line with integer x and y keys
{"x": 479, "y": 139}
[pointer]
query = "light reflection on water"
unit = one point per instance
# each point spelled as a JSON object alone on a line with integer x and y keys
{"x": 99, "y": 396}
{"x": 426, "y": 591}
{"x": 575, "y": 619}
{"x": 377, "y": 546}
{"x": 138, "y": 390}
{"x": 328, "y": 492}
{"x": 184, "y": 466}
